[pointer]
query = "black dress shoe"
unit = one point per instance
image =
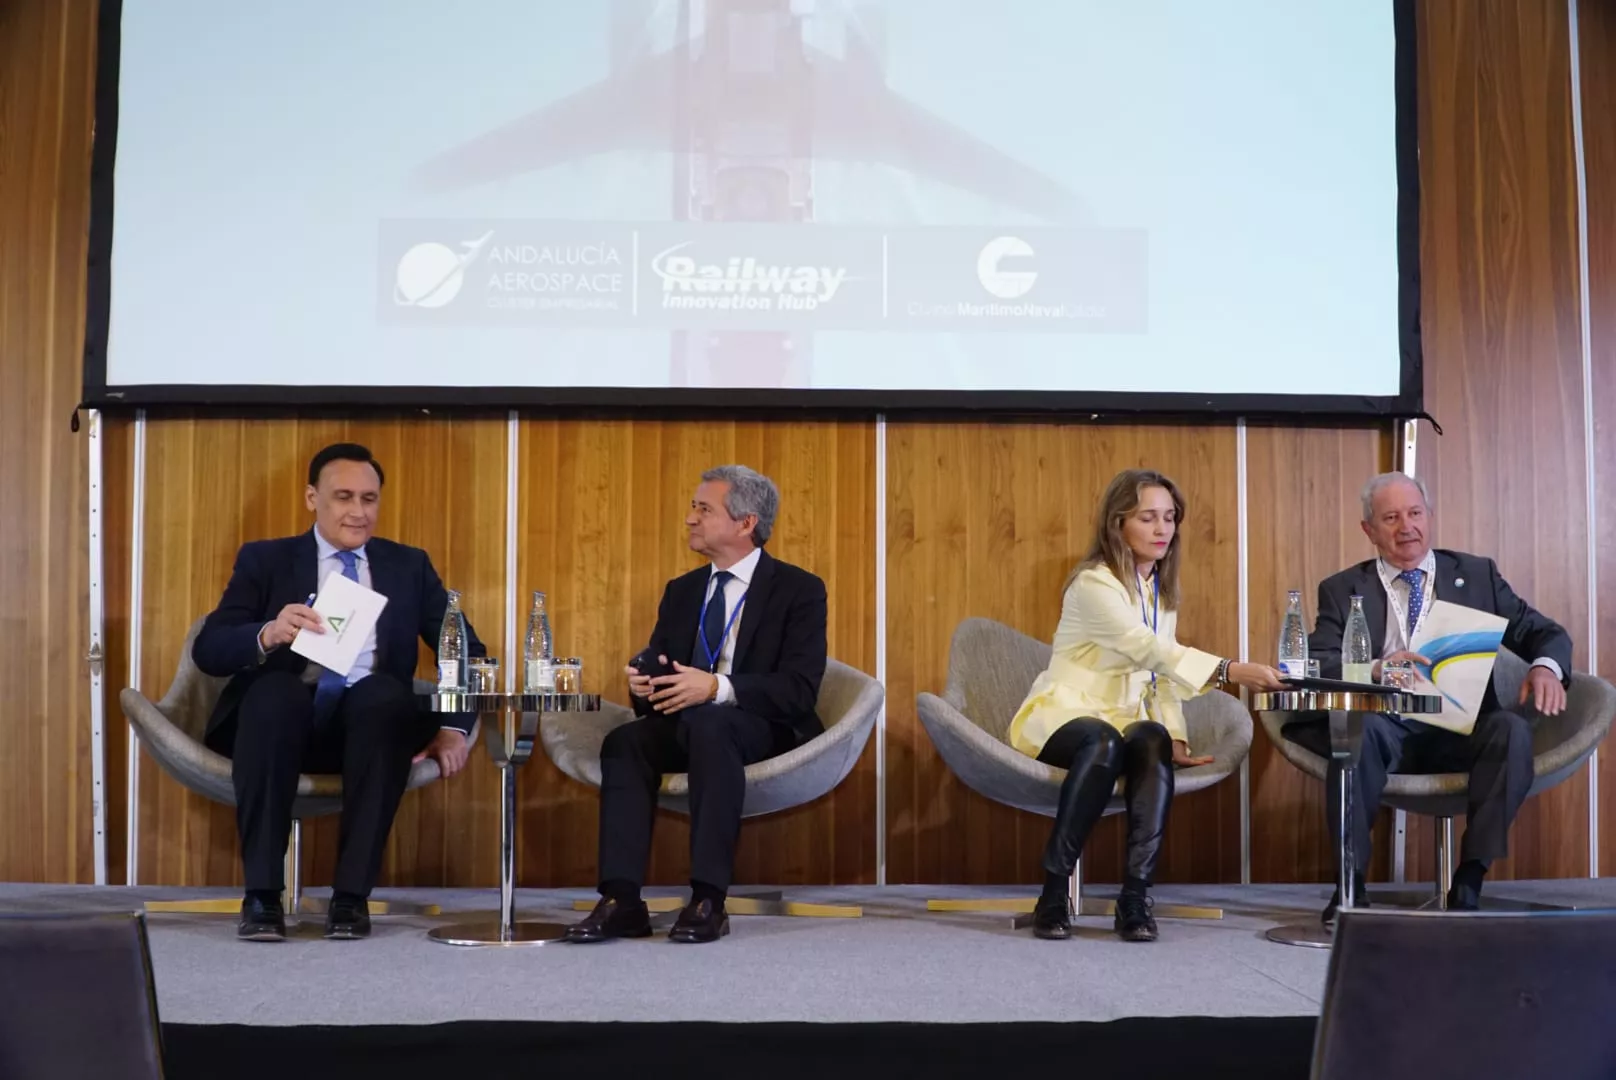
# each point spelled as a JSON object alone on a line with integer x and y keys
{"x": 1052, "y": 919}
{"x": 1464, "y": 897}
{"x": 347, "y": 918}
{"x": 700, "y": 921}
{"x": 261, "y": 920}
{"x": 1360, "y": 899}
{"x": 612, "y": 919}
{"x": 1134, "y": 921}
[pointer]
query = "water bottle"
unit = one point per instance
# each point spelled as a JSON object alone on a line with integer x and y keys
{"x": 452, "y": 648}
{"x": 1293, "y": 639}
{"x": 1357, "y": 661}
{"x": 538, "y": 651}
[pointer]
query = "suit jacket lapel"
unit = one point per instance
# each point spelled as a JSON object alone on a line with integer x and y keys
{"x": 384, "y": 581}
{"x": 305, "y": 582}
{"x": 1447, "y": 581}
{"x": 681, "y": 636}
{"x": 757, "y": 603}
{"x": 305, "y": 568}
{"x": 1374, "y": 606}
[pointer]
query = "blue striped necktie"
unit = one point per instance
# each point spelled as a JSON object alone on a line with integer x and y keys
{"x": 713, "y": 624}
{"x": 1416, "y": 597}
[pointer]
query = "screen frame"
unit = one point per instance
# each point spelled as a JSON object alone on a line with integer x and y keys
{"x": 1409, "y": 402}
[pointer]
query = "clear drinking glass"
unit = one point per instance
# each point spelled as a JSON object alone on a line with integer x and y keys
{"x": 569, "y": 675}
{"x": 482, "y": 675}
{"x": 1398, "y": 673}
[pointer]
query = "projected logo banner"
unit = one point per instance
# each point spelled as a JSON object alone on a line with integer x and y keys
{"x": 1027, "y": 281}
{"x": 790, "y": 279}
{"x": 512, "y": 273}
{"x": 760, "y": 277}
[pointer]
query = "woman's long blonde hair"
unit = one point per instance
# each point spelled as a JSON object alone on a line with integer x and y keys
{"x": 1110, "y": 550}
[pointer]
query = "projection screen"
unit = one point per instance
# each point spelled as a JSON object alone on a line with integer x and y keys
{"x": 1159, "y": 206}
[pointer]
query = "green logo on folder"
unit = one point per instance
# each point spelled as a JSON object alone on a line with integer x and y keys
{"x": 337, "y": 623}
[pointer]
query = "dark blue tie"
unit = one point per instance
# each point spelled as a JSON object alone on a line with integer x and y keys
{"x": 712, "y": 625}
{"x": 1416, "y": 597}
{"x": 328, "y": 691}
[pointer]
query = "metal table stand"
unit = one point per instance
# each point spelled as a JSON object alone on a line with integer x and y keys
{"x": 1346, "y": 710}
{"x": 511, "y": 721}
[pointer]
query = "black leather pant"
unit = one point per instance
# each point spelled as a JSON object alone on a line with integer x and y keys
{"x": 1094, "y": 754}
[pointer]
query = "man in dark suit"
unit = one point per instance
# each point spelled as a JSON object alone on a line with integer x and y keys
{"x": 281, "y": 715}
{"x": 1397, "y": 588}
{"x": 744, "y": 639}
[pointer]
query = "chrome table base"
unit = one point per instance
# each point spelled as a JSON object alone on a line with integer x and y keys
{"x": 491, "y": 931}
{"x": 512, "y": 721}
{"x": 1346, "y": 710}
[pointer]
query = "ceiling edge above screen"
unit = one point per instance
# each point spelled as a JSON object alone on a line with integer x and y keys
{"x": 1077, "y": 405}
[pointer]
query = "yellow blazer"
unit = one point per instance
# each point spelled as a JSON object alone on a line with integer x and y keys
{"x": 1104, "y": 654}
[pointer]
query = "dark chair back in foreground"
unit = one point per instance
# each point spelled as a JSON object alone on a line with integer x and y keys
{"x": 1426, "y": 996}
{"x": 76, "y": 998}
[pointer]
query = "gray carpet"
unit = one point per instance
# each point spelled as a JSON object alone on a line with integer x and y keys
{"x": 898, "y": 963}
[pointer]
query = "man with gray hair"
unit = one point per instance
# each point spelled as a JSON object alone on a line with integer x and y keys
{"x": 1398, "y": 588}
{"x": 731, "y": 677}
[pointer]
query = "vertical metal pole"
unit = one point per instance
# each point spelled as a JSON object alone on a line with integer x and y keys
{"x": 881, "y": 646}
{"x": 1349, "y": 858}
{"x": 1444, "y": 861}
{"x": 137, "y": 569}
{"x": 96, "y": 658}
{"x": 513, "y": 449}
{"x": 1074, "y": 888}
{"x": 1400, "y": 846}
{"x": 1243, "y": 546}
{"x": 294, "y": 869}
{"x": 507, "y": 851}
{"x": 1589, "y": 445}
{"x": 1405, "y": 446}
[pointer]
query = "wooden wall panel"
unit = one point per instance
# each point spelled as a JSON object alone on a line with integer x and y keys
{"x": 1503, "y": 364}
{"x": 1597, "y": 34}
{"x": 602, "y": 530}
{"x": 1502, "y": 338}
{"x": 988, "y": 520}
{"x": 1302, "y": 513}
{"x": 212, "y": 484}
{"x": 46, "y": 60}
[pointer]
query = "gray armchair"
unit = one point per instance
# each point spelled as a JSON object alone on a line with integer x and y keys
{"x": 849, "y": 703}
{"x": 1559, "y": 745}
{"x": 171, "y": 730}
{"x": 990, "y": 669}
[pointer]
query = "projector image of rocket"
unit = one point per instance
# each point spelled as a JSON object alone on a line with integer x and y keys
{"x": 746, "y": 104}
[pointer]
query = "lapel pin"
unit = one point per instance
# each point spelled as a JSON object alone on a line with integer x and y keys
{"x": 1458, "y": 583}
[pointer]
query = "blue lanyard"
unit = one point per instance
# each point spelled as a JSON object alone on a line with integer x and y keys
{"x": 1154, "y": 618}
{"x": 701, "y": 628}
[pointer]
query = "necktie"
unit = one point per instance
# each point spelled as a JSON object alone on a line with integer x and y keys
{"x": 329, "y": 689}
{"x": 1416, "y": 596}
{"x": 712, "y": 625}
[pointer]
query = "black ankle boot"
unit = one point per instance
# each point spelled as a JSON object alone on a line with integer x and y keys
{"x": 1134, "y": 921}
{"x": 1052, "y": 917}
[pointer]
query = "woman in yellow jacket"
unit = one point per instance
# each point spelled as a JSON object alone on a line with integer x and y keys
{"x": 1111, "y": 703}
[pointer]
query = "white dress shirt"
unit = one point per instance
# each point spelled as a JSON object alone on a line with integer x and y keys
{"x": 330, "y": 564}
{"x": 735, "y": 590}
{"x": 1398, "y": 594}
